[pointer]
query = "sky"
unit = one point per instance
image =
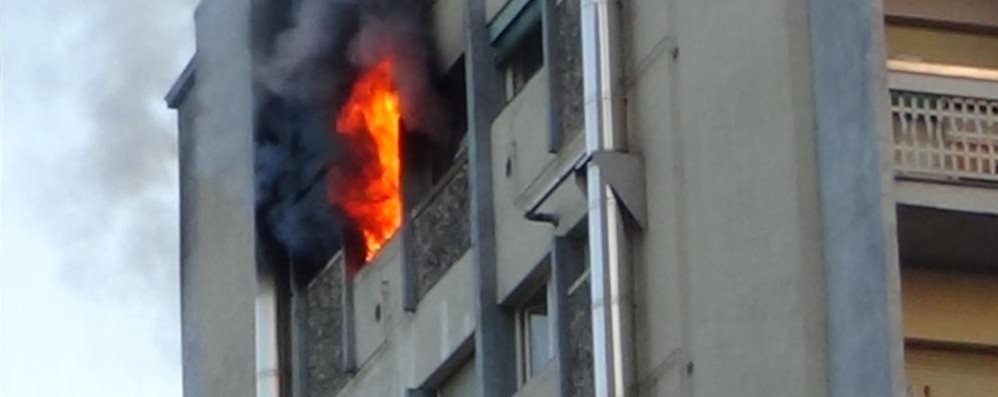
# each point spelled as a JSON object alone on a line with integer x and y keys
{"x": 89, "y": 289}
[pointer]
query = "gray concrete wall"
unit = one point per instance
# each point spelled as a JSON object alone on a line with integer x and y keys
{"x": 569, "y": 74}
{"x": 729, "y": 275}
{"x": 518, "y": 156}
{"x": 399, "y": 350}
{"x": 219, "y": 279}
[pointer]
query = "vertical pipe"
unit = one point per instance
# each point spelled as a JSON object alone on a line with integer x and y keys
{"x": 608, "y": 241}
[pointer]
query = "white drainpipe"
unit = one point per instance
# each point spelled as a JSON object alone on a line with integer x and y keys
{"x": 609, "y": 247}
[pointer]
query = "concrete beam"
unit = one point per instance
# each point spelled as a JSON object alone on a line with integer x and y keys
{"x": 954, "y": 197}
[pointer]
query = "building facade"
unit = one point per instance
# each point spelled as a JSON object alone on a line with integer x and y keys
{"x": 651, "y": 198}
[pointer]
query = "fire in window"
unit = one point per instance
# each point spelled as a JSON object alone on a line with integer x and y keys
{"x": 347, "y": 118}
{"x": 369, "y": 191}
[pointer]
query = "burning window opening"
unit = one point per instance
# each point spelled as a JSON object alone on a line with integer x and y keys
{"x": 429, "y": 159}
{"x": 368, "y": 190}
{"x": 453, "y": 87}
{"x": 328, "y": 181}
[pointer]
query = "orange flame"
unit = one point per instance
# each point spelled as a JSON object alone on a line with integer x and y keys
{"x": 370, "y": 194}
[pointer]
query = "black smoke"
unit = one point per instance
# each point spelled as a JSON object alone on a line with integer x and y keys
{"x": 304, "y": 77}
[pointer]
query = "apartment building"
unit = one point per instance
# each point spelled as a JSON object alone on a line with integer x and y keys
{"x": 942, "y": 60}
{"x": 639, "y": 197}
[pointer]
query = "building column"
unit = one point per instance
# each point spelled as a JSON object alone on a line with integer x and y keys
{"x": 859, "y": 251}
{"x": 495, "y": 364}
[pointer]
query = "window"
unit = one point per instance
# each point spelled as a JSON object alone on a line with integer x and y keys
{"x": 517, "y": 38}
{"x": 461, "y": 383}
{"x": 429, "y": 156}
{"x": 533, "y": 328}
{"x": 523, "y": 62}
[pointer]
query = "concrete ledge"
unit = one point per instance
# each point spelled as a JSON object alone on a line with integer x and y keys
{"x": 975, "y": 199}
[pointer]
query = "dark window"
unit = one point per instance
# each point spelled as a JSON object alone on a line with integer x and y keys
{"x": 524, "y": 60}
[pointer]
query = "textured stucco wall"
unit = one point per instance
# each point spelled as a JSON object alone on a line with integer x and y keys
{"x": 322, "y": 342}
{"x": 580, "y": 364}
{"x": 440, "y": 232}
{"x": 569, "y": 73}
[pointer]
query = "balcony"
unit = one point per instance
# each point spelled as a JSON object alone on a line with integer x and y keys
{"x": 944, "y": 129}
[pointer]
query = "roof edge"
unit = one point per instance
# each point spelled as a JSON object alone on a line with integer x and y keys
{"x": 178, "y": 92}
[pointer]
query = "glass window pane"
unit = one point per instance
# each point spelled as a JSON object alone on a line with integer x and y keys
{"x": 540, "y": 341}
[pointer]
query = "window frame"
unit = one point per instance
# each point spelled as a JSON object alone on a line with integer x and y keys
{"x": 517, "y": 33}
{"x": 526, "y": 368}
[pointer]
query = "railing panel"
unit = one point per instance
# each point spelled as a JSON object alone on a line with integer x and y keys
{"x": 942, "y": 136}
{"x": 439, "y": 231}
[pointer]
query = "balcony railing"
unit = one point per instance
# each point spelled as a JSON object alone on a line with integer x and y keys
{"x": 944, "y": 131}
